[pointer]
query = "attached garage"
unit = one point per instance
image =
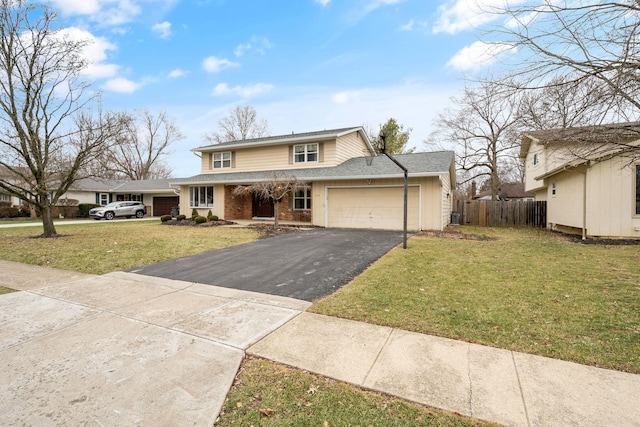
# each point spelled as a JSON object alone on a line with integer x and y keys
{"x": 372, "y": 207}
{"x": 162, "y": 204}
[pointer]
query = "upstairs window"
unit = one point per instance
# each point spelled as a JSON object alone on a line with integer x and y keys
{"x": 305, "y": 153}
{"x": 221, "y": 160}
{"x": 536, "y": 159}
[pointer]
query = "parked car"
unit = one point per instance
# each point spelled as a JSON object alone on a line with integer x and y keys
{"x": 125, "y": 209}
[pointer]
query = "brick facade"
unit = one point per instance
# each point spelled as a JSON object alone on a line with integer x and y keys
{"x": 240, "y": 207}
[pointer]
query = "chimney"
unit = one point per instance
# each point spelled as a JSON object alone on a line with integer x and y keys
{"x": 473, "y": 190}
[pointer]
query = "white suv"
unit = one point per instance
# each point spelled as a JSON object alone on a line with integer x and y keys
{"x": 112, "y": 210}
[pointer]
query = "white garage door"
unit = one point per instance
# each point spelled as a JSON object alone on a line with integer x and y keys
{"x": 372, "y": 207}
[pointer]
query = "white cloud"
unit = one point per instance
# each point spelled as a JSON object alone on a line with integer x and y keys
{"x": 177, "y": 73}
{"x": 241, "y": 49}
{"x": 478, "y": 55}
{"x": 362, "y": 9}
{"x": 108, "y": 12}
{"x": 163, "y": 29}
{"x": 96, "y": 52}
{"x": 408, "y": 26}
{"x": 323, "y": 3}
{"x": 248, "y": 91}
{"x": 213, "y": 64}
{"x": 121, "y": 85}
{"x": 345, "y": 97}
{"x": 461, "y": 15}
{"x": 258, "y": 44}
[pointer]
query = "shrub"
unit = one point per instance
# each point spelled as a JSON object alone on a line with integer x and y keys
{"x": 209, "y": 215}
{"x": 214, "y": 218}
{"x": 194, "y": 213}
{"x": 181, "y": 217}
{"x": 200, "y": 219}
{"x": 165, "y": 218}
{"x": 84, "y": 208}
{"x": 10, "y": 212}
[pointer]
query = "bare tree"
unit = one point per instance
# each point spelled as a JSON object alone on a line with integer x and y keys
{"x": 574, "y": 42}
{"x": 241, "y": 123}
{"x": 139, "y": 150}
{"x": 276, "y": 187}
{"x": 563, "y": 104}
{"x": 47, "y": 135}
{"x": 482, "y": 127}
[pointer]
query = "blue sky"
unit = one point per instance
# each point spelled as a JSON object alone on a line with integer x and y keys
{"x": 304, "y": 65}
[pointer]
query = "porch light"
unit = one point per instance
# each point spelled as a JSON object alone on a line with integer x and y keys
{"x": 382, "y": 147}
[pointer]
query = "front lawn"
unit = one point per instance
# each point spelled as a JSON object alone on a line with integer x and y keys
{"x": 530, "y": 290}
{"x": 112, "y": 246}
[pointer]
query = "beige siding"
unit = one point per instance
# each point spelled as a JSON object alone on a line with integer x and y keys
{"x": 610, "y": 200}
{"x": 218, "y": 202}
{"x": 531, "y": 170}
{"x": 275, "y": 157}
{"x": 446, "y": 200}
{"x": 81, "y": 196}
{"x": 350, "y": 146}
{"x": 567, "y": 206}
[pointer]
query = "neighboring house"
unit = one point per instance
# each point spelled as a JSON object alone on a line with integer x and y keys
{"x": 508, "y": 191}
{"x": 157, "y": 194}
{"x": 342, "y": 189}
{"x": 591, "y": 185}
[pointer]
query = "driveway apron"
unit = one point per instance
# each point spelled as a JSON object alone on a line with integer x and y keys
{"x": 307, "y": 265}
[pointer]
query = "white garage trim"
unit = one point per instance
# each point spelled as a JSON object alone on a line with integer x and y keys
{"x": 401, "y": 187}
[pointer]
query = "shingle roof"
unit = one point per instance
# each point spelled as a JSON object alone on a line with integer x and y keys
{"x": 418, "y": 164}
{"x": 607, "y": 133}
{"x": 110, "y": 185}
{"x": 287, "y": 138}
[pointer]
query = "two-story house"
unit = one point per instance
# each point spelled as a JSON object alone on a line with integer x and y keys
{"x": 345, "y": 185}
{"x": 589, "y": 177}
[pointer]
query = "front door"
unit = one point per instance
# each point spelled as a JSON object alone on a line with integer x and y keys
{"x": 262, "y": 208}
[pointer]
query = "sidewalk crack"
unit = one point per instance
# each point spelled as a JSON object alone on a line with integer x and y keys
{"x": 386, "y": 341}
{"x": 524, "y": 403}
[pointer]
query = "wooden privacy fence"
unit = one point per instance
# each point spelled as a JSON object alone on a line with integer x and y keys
{"x": 487, "y": 213}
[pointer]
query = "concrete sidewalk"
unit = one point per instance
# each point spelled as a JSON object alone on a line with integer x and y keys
{"x": 126, "y": 349}
{"x": 491, "y": 384}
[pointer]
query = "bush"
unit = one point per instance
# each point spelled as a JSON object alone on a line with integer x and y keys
{"x": 214, "y": 218}
{"x": 181, "y": 217}
{"x": 165, "y": 218}
{"x": 10, "y": 212}
{"x": 194, "y": 213}
{"x": 84, "y": 208}
{"x": 200, "y": 219}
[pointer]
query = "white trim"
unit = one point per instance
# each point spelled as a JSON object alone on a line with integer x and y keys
{"x": 328, "y": 187}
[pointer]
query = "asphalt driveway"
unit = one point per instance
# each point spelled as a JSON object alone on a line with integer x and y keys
{"x": 307, "y": 265}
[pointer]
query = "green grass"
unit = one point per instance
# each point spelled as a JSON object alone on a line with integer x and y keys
{"x": 106, "y": 247}
{"x": 4, "y": 290}
{"x": 268, "y": 394}
{"x": 530, "y": 291}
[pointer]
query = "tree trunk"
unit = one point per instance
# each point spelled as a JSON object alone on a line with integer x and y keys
{"x": 47, "y": 222}
{"x": 275, "y": 213}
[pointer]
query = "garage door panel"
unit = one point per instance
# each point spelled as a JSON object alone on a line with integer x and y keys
{"x": 372, "y": 207}
{"x": 162, "y": 204}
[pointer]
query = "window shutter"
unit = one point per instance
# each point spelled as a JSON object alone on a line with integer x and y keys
{"x": 321, "y": 152}
{"x": 233, "y": 159}
{"x": 97, "y": 198}
{"x": 291, "y": 200}
{"x": 291, "y": 154}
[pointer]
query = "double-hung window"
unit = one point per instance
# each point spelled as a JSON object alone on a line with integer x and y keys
{"x": 305, "y": 153}
{"x": 201, "y": 197}
{"x": 221, "y": 160}
{"x": 302, "y": 199}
